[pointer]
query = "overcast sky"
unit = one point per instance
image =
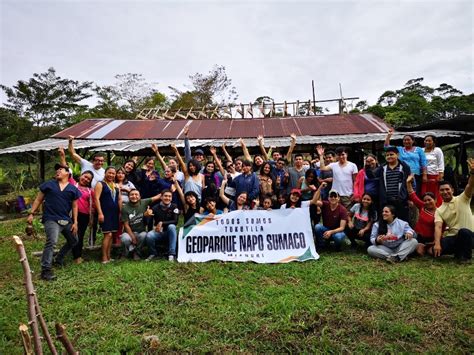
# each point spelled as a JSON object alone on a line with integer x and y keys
{"x": 268, "y": 47}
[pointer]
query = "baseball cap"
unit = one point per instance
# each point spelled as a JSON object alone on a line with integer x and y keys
{"x": 198, "y": 152}
{"x": 333, "y": 192}
{"x": 295, "y": 191}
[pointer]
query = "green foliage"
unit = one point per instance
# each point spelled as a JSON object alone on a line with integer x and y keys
{"x": 15, "y": 130}
{"x": 47, "y": 99}
{"x": 416, "y": 103}
{"x": 342, "y": 303}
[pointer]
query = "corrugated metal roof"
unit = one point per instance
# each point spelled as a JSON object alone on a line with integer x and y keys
{"x": 134, "y": 145}
{"x": 226, "y": 129}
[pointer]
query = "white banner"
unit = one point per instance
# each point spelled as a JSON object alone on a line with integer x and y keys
{"x": 277, "y": 236}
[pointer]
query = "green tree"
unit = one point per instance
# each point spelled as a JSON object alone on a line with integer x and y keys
{"x": 214, "y": 88}
{"x": 416, "y": 103}
{"x": 47, "y": 99}
{"x": 15, "y": 130}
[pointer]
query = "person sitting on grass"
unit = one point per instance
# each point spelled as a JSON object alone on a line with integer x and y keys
{"x": 455, "y": 213}
{"x": 392, "y": 238}
{"x": 134, "y": 228}
{"x": 60, "y": 198}
{"x": 165, "y": 215}
{"x": 424, "y": 227}
{"x": 334, "y": 216}
{"x": 361, "y": 218}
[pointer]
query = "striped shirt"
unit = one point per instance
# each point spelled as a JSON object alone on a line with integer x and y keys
{"x": 393, "y": 179}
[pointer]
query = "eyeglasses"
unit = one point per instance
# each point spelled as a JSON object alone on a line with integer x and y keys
{"x": 332, "y": 196}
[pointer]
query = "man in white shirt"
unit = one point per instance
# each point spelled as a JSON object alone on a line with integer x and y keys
{"x": 344, "y": 174}
{"x": 95, "y": 166}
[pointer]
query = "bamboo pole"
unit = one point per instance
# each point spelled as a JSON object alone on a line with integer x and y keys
{"x": 30, "y": 295}
{"x": 44, "y": 328}
{"x": 25, "y": 339}
{"x": 62, "y": 336}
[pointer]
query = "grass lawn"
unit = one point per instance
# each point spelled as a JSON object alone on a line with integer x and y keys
{"x": 342, "y": 303}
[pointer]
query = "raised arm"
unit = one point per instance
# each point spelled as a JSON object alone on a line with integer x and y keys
{"x": 222, "y": 195}
{"x": 62, "y": 156}
{"x": 245, "y": 150}
{"x": 182, "y": 165}
{"x": 262, "y": 147}
{"x": 187, "y": 146}
{"x": 470, "y": 183}
{"x": 227, "y": 155}
{"x": 411, "y": 193}
{"x": 154, "y": 147}
{"x": 217, "y": 161}
{"x": 322, "y": 166}
{"x": 76, "y": 157}
{"x": 292, "y": 147}
{"x": 317, "y": 194}
{"x": 180, "y": 193}
{"x": 388, "y": 137}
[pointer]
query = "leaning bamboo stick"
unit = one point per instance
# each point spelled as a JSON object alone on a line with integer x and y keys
{"x": 44, "y": 328}
{"x": 26, "y": 339}
{"x": 30, "y": 295}
{"x": 62, "y": 336}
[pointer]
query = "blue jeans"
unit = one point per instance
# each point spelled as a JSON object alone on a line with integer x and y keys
{"x": 338, "y": 237}
{"x": 152, "y": 237}
{"x": 52, "y": 230}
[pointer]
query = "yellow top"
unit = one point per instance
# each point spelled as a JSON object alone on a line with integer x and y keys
{"x": 456, "y": 214}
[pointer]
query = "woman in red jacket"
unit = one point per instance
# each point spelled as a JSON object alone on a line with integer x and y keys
{"x": 425, "y": 226}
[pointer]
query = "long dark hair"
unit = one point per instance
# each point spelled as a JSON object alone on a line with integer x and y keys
{"x": 382, "y": 223}
{"x": 196, "y": 164}
{"x": 372, "y": 213}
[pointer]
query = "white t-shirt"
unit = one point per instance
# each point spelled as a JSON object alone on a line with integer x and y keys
{"x": 435, "y": 161}
{"x": 98, "y": 174}
{"x": 303, "y": 204}
{"x": 342, "y": 178}
{"x": 179, "y": 176}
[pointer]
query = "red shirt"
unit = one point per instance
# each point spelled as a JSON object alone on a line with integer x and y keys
{"x": 425, "y": 224}
{"x": 332, "y": 219}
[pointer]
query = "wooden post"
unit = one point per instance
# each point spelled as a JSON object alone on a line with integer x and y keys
{"x": 26, "y": 339}
{"x": 62, "y": 337}
{"x": 41, "y": 165}
{"x": 30, "y": 295}
{"x": 44, "y": 328}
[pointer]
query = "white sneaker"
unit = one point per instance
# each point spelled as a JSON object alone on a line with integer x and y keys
{"x": 171, "y": 258}
{"x": 150, "y": 258}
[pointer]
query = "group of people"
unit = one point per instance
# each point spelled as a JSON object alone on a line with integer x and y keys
{"x": 140, "y": 207}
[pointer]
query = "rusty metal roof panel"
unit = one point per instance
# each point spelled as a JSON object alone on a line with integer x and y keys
{"x": 290, "y": 126}
{"x": 245, "y": 128}
{"x": 210, "y": 129}
{"x": 138, "y": 144}
{"x": 272, "y": 128}
{"x": 230, "y": 128}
